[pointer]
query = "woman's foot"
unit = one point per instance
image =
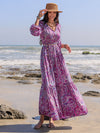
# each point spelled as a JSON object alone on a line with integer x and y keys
{"x": 51, "y": 123}
{"x": 39, "y": 125}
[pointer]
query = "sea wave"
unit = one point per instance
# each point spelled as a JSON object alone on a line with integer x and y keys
{"x": 19, "y": 62}
{"x": 84, "y": 62}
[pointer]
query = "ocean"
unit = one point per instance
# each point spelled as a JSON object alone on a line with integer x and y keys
{"x": 27, "y": 57}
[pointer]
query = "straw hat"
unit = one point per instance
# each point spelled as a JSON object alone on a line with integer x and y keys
{"x": 52, "y": 7}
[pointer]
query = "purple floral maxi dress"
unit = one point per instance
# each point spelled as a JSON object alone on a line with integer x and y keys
{"x": 59, "y": 97}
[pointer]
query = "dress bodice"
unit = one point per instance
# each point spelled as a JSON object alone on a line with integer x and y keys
{"x": 47, "y": 35}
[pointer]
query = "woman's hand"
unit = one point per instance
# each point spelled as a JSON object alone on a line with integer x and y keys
{"x": 42, "y": 12}
{"x": 66, "y": 46}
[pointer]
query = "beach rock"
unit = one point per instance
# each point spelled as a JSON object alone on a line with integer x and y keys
{"x": 32, "y": 71}
{"x": 26, "y": 82}
{"x": 17, "y": 78}
{"x": 37, "y": 70}
{"x": 85, "y": 52}
{"x": 81, "y": 80}
{"x": 82, "y": 76}
{"x": 14, "y": 69}
{"x": 95, "y": 76}
{"x": 35, "y": 74}
{"x": 92, "y": 93}
{"x": 79, "y": 77}
{"x": 87, "y": 77}
{"x": 7, "y": 112}
{"x": 96, "y": 81}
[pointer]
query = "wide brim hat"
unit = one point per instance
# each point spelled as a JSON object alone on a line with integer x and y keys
{"x": 52, "y": 7}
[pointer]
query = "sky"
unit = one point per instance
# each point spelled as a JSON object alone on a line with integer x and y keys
{"x": 80, "y": 21}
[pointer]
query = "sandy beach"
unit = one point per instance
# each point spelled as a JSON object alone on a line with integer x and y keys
{"x": 25, "y": 97}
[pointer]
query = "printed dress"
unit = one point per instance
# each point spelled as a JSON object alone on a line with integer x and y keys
{"x": 59, "y": 97}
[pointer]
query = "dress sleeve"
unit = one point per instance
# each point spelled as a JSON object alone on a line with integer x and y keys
{"x": 37, "y": 30}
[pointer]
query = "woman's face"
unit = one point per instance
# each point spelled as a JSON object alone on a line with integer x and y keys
{"x": 52, "y": 15}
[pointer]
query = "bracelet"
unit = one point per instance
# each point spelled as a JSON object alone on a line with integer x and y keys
{"x": 38, "y": 17}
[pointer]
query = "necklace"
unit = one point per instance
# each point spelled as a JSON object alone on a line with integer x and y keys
{"x": 52, "y": 25}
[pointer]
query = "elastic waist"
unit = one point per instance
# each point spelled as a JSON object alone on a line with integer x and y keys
{"x": 49, "y": 44}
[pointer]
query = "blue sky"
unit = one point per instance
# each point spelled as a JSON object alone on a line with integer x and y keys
{"x": 80, "y": 21}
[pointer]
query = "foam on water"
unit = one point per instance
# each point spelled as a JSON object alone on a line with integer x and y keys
{"x": 18, "y": 62}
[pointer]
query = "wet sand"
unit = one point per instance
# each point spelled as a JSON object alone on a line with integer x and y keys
{"x": 25, "y": 97}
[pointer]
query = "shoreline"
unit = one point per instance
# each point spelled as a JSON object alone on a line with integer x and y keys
{"x": 34, "y": 76}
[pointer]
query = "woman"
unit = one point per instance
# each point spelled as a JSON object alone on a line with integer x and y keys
{"x": 59, "y": 97}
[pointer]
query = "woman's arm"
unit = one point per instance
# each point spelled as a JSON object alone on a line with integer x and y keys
{"x": 62, "y": 45}
{"x": 66, "y": 46}
{"x": 36, "y": 28}
{"x": 41, "y": 13}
